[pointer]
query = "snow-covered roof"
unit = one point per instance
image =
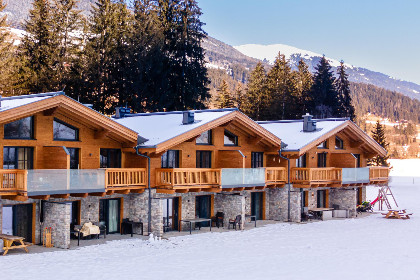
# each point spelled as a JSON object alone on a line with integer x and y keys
{"x": 292, "y": 134}
{"x": 159, "y": 127}
{"x": 7, "y": 103}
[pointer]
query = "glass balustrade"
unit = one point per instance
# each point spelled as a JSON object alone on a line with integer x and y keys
{"x": 355, "y": 175}
{"x": 243, "y": 177}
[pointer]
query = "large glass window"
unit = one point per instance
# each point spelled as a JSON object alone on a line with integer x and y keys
{"x": 322, "y": 160}
{"x": 170, "y": 159}
{"x": 230, "y": 139}
{"x": 74, "y": 158}
{"x": 339, "y": 144}
{"x": 64, "y": 131}
{"x": 323, "y": 145}
{"x": 110, "y": 158}
{"x": 301, "y": 161}
{"x": 203, "y": 159}
{"x": 257, "y": 159}
{"x": 357, "y": 158}
{"x": 204, "y": 138}
{"x": 18, "y": 158}
{"x": 20, "y": 129}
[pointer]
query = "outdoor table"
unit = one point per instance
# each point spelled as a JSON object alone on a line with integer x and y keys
{"x": 197, "y": 220}
{"x": 13, "y": 242}
{"x": 252, "y": 217}
{"x": 320, "y": 210}
{"x": 397, "y": 214}
{"x": 132, "y": 224}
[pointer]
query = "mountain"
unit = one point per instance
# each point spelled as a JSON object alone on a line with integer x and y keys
{"x": 356, "y": 74}
{"x": 17, "y": 10}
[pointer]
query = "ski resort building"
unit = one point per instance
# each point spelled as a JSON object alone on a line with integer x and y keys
{"x": 65, "y": 164}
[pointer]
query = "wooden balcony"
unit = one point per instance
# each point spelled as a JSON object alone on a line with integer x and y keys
{"x": 188, "y": 179}
{"x": 275, "y": 176}
{"x": 378, "y": 174}
{"x": 125, "y": 178}
{"x": 13, "y": 182}
{"x": 316, "y": 177}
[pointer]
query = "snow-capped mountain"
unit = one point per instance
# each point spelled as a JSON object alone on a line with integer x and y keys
{"x": 356, "y": 74}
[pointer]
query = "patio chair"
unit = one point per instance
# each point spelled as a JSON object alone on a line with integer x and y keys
{"x": 102, "y": 229}
{"x": 306, "y": 214}
{"x": 236, "y": 222}
{"x": 218, "y": 219}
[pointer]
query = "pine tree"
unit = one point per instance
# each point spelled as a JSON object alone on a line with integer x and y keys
{"x": 256, "y": 102}
{"x": 378, "y": 134}
{"x": 183, "y": 33}
{"x": 224, "y": 99}
{"x": 282, "y": 89}
{"x": 39, "y": 50}
{"x": 324, "y": 98}
{"x": 239, "y": 97}
{"x": 303, "y": 83}
{"x": 342, "y": 84}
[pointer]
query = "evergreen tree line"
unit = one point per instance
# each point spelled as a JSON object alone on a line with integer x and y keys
{"x": 147, "y": 56}
{"x": 282, "y": 93}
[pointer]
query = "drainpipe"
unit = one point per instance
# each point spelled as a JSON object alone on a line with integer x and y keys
{"x": 288, "y": 185}
{"x": 149, "y": 216}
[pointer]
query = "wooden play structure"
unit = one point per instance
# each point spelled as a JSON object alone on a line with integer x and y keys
{"x": 47, "y": 238}
{"x": 385, "y": 196}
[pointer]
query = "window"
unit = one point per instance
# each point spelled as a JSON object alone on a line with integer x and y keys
{"x": 110, "y": 158}
{"x": 204, "y": 138}
{"x": 339, "y": 145}
{"x": 18, "y": 158}
{"x": 322, "y": 160}
{"x": 301, "y": 161}
{"x": 74, "y": 158}
{"x": 230, "y": 139}
{"x": 257, "y": 159}
{"x": 64, "y": 131}
{"x": 20, "y": 129}
{"x": 170, "y": 159}
{"x": 323, "y": 145}
{"x": 321, "y": 199}
{"x": 203, "y": 159}
{"x": 357, "y": 158}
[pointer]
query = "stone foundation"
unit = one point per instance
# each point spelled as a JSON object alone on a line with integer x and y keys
{"x": 345, "y": 199}
{"x": 277, "y": 199}
{"x": 231, "y": 205}
{"x": 57, "y": 217}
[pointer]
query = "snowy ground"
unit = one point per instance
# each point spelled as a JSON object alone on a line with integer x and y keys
{"x": 363, "y": 248}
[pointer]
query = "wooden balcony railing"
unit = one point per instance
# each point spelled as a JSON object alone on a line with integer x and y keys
{"x": 125, "y": 177}
{"x": 13, "y": 180}
{"x": 188, "y": 177}
{"x": 275, "y": 175}
{"x": 328, "y": 175}
{"x": 378, "y": 173}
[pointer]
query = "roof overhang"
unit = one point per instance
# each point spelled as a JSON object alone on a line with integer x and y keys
{"x": 72, "y": 107}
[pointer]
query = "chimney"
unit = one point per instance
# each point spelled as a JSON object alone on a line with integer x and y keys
{"x": 309, "y": 125}
{"x": 188, "y": 117}
{"x": 120, "y": 112}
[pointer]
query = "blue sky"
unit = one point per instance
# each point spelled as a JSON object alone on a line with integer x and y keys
{"x": 381, "y": 35}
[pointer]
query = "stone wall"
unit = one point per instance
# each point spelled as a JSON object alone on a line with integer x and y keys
{"x": 277, "y": 199}
{"x": 231, "y": 205}
{"x": 295, "y": 206}
{"x": 345, "y": 199}
{"x": 57, "y": 216}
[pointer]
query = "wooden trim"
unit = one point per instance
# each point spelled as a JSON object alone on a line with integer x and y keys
{"x": 179, "y": 212}
{"x": 360, "y": 195}
{"x": 263, "y": 204}
{"x": 33, "y": 222}
{"x": 79, "y": 212}
{"x": 121, "y": 211}
{"x": 327, "y": 198}
{"x": 306, "y": 198}
{"x": 211, "y": 205}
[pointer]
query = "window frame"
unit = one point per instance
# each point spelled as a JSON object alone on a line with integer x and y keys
{"x": 236, "y": 141}
{"x": 324, "y": 145}
{"x": 177, "y": 156}
{"x": 32, "y": 132}
{"x": 341, "y": 141}
{"x": 29, "y": 160}
{"x": 77, "y": 156}
{"x": 324, "y": 160}
{"x": 200, "y": 156}
{"x": 108, "y": 153}
{"x": 257, "y": 157}
{"x": 301, "y": 161}
{"x": 210, "y": 138}
{"x": 69, "y": 126}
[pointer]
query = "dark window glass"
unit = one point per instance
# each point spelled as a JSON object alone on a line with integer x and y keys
{"x": 257, "y": 159}
{"x": 203, "y": 159}
{"x": 301, "y": 161}
{"x": 170, "y": 159}
{"x": 74, "y": 158}
{"x": 18, "y": 158}
{"x": 357, "y": 156}
{"x": 110, "y": 158}
{"x": 204, "y": 138}
{"x": 322, "y": 160}
{"x": 339, "y": 143}
{"x": 20, "y": 129}
{"x": 323, "y": 145}
{"x": 64, "y": 131}
{"x": 321, "y": 199}
{"x": 230, "y": 139}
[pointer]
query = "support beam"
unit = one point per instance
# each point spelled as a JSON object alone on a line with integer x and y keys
{"x": 137, "y": 190}
{"x": 182, "y": 191}
{"x": 15, "y": 197}
{"x": 64, "y": 196}
{"x": 100, "y": 194}
{"x": 127, "y": 191}
{"x": 195, "y": 190}
{"x": 42, "y": 197}
{"x": 215, "y": 190}
{"x": 165, "y": 191}
{"x": 227, "y": 190}
{"x": 50, "y": 112}
{"x": 250, "y": 188}
{"x": 101, "y": 134}
{"x": 239, "y": 189}
{"x": 83, "y": 195}
{"x": 110, "y": 192}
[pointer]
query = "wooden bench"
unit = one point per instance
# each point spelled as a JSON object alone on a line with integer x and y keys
{"x": 397, "y": 214}
{"x": 11, "y": 242}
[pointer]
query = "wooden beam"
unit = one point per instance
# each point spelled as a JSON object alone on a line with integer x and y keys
{"x": 110, "y": 192}
{"x": 50, "y": 112}
{"x": 356, "y": 144}
{"x": 100, "y": 194}
{"x": 127, "y": 191}
{"x": 42, "y": 197}
{"x": 65, "y": 196}
{"x": 334, "y": 185}
{"x": 15, "y": 197}
{"x": 137, "y": 190}
{"x": 260, "y": 188}
{"x": 254, "y": 140}
{"x": 79, "y": 195}
{"x": 182, "y": 191}
{"x": 227, "y": 190}
{"x": 250, "y": 188}
{"x": 165, "y": 191}
{"x": 193, "y": 139}
{"x": 239, "y": 189}
{"x": 195, "y": 190}
{"x": 215, "y": 190}
{"x": 101, "y": 134}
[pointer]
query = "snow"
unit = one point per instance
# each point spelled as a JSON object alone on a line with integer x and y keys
{"x": 291, "y": 132}
{"x": 160, "y": 127}
{"x": 7, "y": 104}
{"x": 270, "y": 52}
{"x": 370, "y": 248}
